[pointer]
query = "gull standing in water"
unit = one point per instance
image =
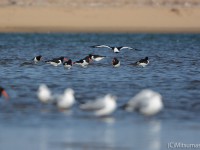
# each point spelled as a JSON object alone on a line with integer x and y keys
{"x": 44, "y": 94}
{"x": 101, "y": 107}
{"x": 146, "y": 102}
{"x": 66, "y": 100}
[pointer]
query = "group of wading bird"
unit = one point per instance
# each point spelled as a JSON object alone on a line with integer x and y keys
{"x": 67, "y": 63}
{"x": 146, "y": 102}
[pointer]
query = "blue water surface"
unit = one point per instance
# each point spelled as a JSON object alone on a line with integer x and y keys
{"x": 173, "y": 72}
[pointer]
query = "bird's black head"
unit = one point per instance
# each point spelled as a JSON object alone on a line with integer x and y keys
{"x": 1, "y": 90}
{"x": 63, "y": 59}
{"x": 146, "y": 58}
{"x": 90, "y": 56}
{"x": 69, "y": 62}
{"x": 38, "y": 57}
{"x": 115, "y": 60}
{"x": 87, "y": 58}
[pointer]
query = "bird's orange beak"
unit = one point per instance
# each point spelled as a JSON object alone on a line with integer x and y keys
{"x": 5, "y": 94}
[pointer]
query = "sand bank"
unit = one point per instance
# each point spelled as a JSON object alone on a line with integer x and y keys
{"x": 104, "y": 19}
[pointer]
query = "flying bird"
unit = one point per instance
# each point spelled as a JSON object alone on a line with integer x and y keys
{"x": 115, "y": 49}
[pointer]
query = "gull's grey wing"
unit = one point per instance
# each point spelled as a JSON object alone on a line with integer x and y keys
{"x": 100, "y": 46}
{"x": 93, "y": 105}
{"x": 126, "y": 47}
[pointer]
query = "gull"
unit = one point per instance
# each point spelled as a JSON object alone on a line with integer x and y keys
{"x": 115, "y": 49}
{"x": 102, "y": 106}
{"x": 146, "y": 102}
{"x": 44, "y": 94}
{"x": 66, "y": 100}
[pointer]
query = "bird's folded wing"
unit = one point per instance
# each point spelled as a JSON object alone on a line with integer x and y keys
{"x": 93, "y": 105}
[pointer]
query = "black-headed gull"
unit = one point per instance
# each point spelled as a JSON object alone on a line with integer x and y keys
{"x": 101, "y": 107}
{"x": 115, "y": 62}
{"x": 114, "y": 48}
{"x": 66, "y": 100}
{"x": 146, "y": 102}
{"x": 4, "y": 93}
{"x": 44, "y": 94}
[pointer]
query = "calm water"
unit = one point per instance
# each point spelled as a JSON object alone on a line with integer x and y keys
{"x": 173, "y": 72}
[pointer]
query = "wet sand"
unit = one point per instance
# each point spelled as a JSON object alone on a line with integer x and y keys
{"x": 131, "y": 19}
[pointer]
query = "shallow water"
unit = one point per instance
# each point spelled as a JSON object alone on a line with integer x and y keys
{"x": 173, "y": 72}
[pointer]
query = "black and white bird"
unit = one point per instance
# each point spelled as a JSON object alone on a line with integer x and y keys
{"x": 143, "y": 62}
{"x": 102, "y": 106}
{"x": 38, "y": 58}
{"x": 56, "y": 61}
{"x": 83, "y": 62}
{"x": 4, "y": 93}
{"x": 115, "y": 49}
{"x": 68, "y": 64}
{"x": 146, "y": 102}
{"x": 115, "y": 62}
{"x": 96, "y": 57}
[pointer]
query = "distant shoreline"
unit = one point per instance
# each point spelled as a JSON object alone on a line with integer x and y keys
{"x": 143, "y": 19}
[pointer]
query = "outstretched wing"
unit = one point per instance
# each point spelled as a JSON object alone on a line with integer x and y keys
{"x": 136, "y": 49}
{"x": 100, "y": 46}
{"x": 126, "y": 47}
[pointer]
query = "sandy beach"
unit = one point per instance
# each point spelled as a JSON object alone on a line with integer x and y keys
{"x": 127, "y": 18}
